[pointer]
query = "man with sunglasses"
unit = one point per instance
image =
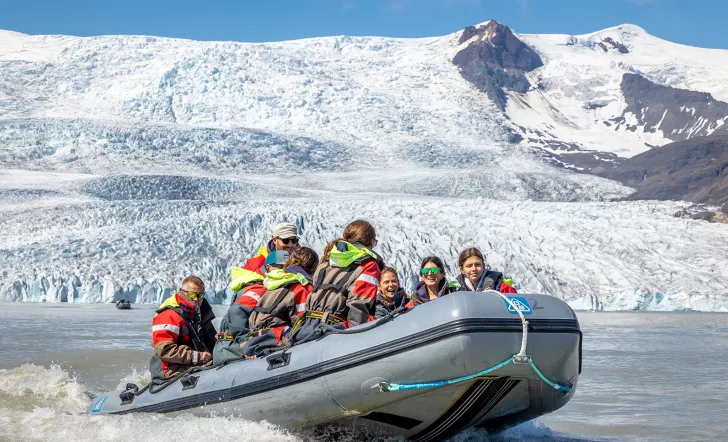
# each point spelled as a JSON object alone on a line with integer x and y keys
{"x": 285, "y": 237}
{"x": 182, "y": 331}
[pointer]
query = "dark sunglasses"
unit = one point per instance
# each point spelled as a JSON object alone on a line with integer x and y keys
{"x": 433, "y": 270}
{"x": 289, "y": 240}
{"x": 193, "y": 295}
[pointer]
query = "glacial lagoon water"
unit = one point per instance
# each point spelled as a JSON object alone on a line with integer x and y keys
{"x": 646, "y": 377}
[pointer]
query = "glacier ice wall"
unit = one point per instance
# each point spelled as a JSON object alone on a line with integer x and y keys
{"x": 626, "y": 255}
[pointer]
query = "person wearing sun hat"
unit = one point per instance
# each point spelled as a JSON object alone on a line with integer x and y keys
{"x": 285, "y": 238}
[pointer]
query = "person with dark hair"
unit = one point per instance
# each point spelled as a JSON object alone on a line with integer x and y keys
{"x": 345, "y": 283}
{"x": 182, "y": 331}
{"x": 390, "y": 295}
{"x": 433, "y": 283}
{"x": 248, "y": 288}
{"x": 475, "y": 277}
{"x": 283, "y": 302}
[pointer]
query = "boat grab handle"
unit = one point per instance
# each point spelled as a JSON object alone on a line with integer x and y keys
{"x": 189, "y": 382}
{"x": 278, "y": 360}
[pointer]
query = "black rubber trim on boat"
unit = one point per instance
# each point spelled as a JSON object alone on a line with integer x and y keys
{"x": 444, "y": 331}
{"x": 470, "y": 407}
{"x": 392, "y": 419}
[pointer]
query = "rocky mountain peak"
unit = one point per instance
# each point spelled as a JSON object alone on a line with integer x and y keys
{"x": 490, "y": 30}
{"x": 495, "y": 60}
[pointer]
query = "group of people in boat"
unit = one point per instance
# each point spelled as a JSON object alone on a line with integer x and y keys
{"x": 283, "y": 294}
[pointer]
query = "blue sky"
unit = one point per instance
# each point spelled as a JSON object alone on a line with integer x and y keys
{"x": 693, "y": 22}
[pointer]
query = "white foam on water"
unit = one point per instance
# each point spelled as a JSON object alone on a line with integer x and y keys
{"x": 34, "y": 385}
{"x": 44, "y": 424}
{"x": 533, "y": 430}
{"x": 48, "y": 404}
{"x": 135, "y": 377}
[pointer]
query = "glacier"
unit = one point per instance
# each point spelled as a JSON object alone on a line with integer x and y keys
{"x": 596, "y": 255}
{"x": 128, "y": 162}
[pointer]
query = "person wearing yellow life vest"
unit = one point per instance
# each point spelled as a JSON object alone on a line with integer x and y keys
{"x": 345, "y": 283}
{"x": 244, "y": 280}
{"x": 282, "y": 304}
{"x": 285, "y": 237}
{"x": 182, "y": 331}
{"x": 247, "y": 289}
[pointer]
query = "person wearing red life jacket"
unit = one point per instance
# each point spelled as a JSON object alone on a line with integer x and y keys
{"x": 475, "y": 277}
{"x": 285, "y": 237}
{"x": 345, "y": 283}
{"x": 282, "y": 304}
{"x": 182, "y": 331}
{"x": 248, "y": 288}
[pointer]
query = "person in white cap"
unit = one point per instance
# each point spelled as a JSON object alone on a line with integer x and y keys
{"x": 285, "y": 237}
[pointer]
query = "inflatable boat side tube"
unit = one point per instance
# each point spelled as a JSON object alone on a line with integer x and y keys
{"x": 444, "y": 331}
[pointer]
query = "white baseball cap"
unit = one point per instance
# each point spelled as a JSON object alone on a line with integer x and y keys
{"x": 285, "y": 230}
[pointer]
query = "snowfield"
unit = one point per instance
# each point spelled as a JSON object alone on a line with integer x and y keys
{"x": 128, "y": 162}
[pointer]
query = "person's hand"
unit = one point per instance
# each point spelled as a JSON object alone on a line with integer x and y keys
{"x": 205, "y": 357}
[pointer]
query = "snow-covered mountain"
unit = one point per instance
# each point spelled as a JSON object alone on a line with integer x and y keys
{"x": 620, "y": 91}
{"x": 128, "y": 161}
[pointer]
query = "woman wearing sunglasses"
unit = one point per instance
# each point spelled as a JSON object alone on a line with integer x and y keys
{"x": 432, "y": 284}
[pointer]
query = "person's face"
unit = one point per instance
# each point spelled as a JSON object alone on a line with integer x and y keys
{"x": 199, "y": 292}
{"x": 472, "y": 268}
{"x": 287, "y": 244}
{"x": 270, "y": 267}
{"x": 389, "y": 284}
{"x": 431, "y": 275}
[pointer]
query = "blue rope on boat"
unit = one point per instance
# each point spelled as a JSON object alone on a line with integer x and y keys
{"x": 397, "y": 387}
{"x": 549, "y": 383}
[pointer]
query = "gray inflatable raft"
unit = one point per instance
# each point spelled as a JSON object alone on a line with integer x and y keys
{"x": 425, "y": 374}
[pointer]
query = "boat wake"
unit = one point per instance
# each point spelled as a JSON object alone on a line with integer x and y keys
{"x": 49, "y": 404}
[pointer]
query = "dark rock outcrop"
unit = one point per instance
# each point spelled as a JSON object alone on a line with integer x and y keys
{"x": 680, "y": 114}
{"x": 496, "y": 61}
{"x": 700, "y": 212}
{"x": 617, "y": 45}
{"x": 693, "y": 170}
